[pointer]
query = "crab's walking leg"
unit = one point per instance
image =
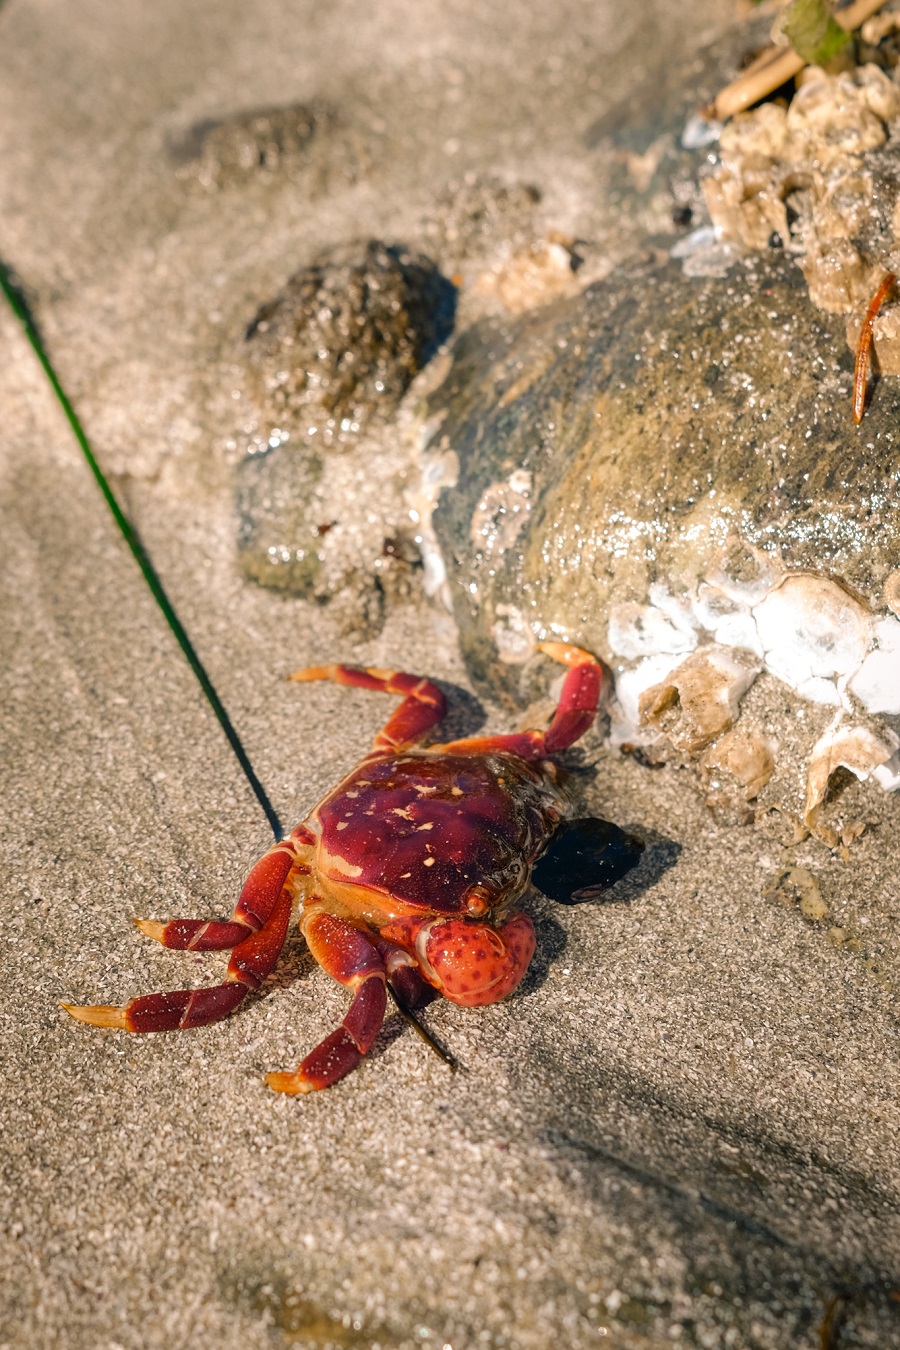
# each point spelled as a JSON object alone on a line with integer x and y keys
{"x": 251, "y": 961}
{"x": 255, "y": 904}
{"x": 863, "y": 346}
{"x": 575, "y": 712}
{"x": 423, "y": 703}
{"x": 350, "y": 957}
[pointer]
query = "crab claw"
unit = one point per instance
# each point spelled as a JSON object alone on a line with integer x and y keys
{"x": 472, "y": 963}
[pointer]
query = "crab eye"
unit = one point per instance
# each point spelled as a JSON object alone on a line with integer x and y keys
{"x": 478, "y": 902}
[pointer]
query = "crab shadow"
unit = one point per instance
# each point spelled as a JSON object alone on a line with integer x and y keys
{"x": 659, "y": 855}
{"x": 294, "y": 967}
{"x": 465, "y": 714}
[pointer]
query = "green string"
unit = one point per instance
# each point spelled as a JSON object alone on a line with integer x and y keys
{"x": 20, "y": 309}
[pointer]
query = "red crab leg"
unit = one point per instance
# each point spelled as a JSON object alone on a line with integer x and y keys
{"x": 576, "y": 711}
{"x": 251, "y": 961}
{"x": 350, "y": 957}
{"x": 256, "y": 902}
{"x": 423, "y": 705}
{"x": 861, "y": 368}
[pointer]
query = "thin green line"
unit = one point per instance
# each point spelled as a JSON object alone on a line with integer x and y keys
{"x": 20, "y": 309}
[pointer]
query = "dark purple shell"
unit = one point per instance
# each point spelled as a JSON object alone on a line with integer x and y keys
{"x": 426, "y": 828}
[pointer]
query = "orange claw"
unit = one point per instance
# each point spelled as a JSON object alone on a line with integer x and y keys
{"x": 861, "y": 369}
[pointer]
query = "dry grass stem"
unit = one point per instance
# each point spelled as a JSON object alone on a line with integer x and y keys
{"x": 776, "y": 65}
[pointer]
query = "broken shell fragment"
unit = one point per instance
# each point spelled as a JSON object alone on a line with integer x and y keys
{"x": 857, "y": 749}
{"x": 735, "y": 769}
{"x": 699, "y": 700}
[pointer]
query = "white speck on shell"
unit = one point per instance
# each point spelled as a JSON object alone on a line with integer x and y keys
{"x": 513, "y": 635}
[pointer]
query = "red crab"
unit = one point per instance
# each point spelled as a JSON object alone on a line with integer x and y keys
{"x": 408, "y": 872}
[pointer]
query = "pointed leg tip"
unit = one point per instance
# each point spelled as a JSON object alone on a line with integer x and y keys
{"x": 310, "y": 673}
{"x": 97, "y": 1014}
{"x": 567, "y": 653}
{"x": 151, "y": 928}
{"x": 289, "y": 1083}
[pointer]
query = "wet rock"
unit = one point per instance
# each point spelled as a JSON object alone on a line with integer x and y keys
{"x": 669, "y": 445}
{"x": 338, "y": 347}
{"x": 665, "y": 466}
{"x": 327, "y": 362}
{"x": 336, "y": 532}
{"x": 279, "y": 540}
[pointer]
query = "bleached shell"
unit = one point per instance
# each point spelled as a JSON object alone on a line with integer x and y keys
{"x": 630, "y": 685}
{"x": 877, "y": 682}
{"x": 813, "y": 632}
{"x": 646, "y": 630}
{"x": 729, "y": 621}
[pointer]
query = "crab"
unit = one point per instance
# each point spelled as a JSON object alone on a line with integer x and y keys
{"x": 406, "y": 874}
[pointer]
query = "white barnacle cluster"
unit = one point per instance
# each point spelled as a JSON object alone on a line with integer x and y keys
{"x": 801, "y": 176}
{"x": 683, "y": 665}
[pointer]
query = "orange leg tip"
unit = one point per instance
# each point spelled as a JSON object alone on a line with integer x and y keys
{"x": 311, "y": 673}
{"x": 97, "y": 1014}
{"x": 568, "y": 654}
{"x": 289, "y": 1083}
{"x": 152, "y": 929}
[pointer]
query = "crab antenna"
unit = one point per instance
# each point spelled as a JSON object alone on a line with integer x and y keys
{"x": 423, "y": 1032}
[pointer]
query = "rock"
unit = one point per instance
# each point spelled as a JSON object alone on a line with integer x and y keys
{"x": 471, "y": 215}
{"x": 327, "y": 363}
{"x": 338, "y": 347}
{"x": 663, "y": 467}
{"x": 334, "y": 532}
{"x": 685, "y": 443}
{"x": 263, "y": 141}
